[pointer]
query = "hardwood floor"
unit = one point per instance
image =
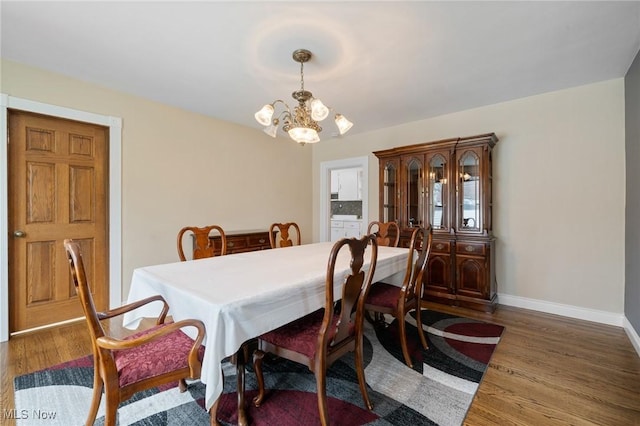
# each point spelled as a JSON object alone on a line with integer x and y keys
{"x": 546, "y": 370}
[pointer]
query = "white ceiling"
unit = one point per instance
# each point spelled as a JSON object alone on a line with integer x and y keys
{"x": 379, "y": 63}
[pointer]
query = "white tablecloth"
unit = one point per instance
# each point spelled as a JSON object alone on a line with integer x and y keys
{"x": 241, "y": 296}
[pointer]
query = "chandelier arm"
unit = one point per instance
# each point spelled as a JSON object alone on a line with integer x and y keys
{"x": 277, "y": 101}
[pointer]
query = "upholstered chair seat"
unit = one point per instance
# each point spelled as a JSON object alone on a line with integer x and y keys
{"x": 384, "y": 295}
{"x": 302, "y": 335}
{"x": 168, "y": 353}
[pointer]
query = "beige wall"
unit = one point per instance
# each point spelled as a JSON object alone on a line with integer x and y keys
{"x": 180, "y": 168}
{"x": 558, "y": 179}
{"x": 559, "y": 189}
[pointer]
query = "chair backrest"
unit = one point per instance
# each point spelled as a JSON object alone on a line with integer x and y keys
{"x": 419, "y": 250}
{"x": 355, "y": 288}
{"x": 283, "y": 239}
{"x": 79, "y": 277}
{"x": 387, "y": 233}
{"x": 202, "y": 244}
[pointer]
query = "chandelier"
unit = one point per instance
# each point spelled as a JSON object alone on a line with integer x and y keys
{"x": 301, "y": 124}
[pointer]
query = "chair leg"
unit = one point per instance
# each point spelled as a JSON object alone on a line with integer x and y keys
{"x": 403, "y": 340}
{"x": 111, "y": 405}
{"x": 182, "y": 385}
{"x": 361, "y": 379}
{"x": 321, "y": 389}
{"x": 95, "y": 399}
{"x": 258, "y": 355}
{"x": 376, "y": 319}
{"x": 423, "y": 339}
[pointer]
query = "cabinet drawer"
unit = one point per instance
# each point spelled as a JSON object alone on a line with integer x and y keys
{"x": 258, "y": 240}
{"x": 236, "y": 243}
{"x": 470, "y": 248}
{"x": 352, "y": 225}
{"x": 440, "y": 246}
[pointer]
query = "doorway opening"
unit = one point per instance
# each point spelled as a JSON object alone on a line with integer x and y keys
{"x": 344, "y": 194}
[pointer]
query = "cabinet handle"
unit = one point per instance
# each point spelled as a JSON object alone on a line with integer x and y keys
{"x": 439, "y": 246}
{"x": 230, "y": 244}
{"x": 469, "y": 248}
{"x": 262, "y": 240}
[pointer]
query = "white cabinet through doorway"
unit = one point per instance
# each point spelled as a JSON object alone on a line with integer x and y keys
{"x": 345, "y": 229}
{"x": 347, "y": 184}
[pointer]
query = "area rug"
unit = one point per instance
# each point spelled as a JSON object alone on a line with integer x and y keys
{"x": 437, "y": 391}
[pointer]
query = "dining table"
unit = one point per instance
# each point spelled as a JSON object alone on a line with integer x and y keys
{"x": 240, "y": 296}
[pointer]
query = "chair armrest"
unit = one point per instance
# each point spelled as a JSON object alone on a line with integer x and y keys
{"x": 134, "y": 305}
{"x": 111, "y": 343}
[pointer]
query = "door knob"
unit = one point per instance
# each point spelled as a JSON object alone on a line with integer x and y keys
{"x": 19, "y": 234}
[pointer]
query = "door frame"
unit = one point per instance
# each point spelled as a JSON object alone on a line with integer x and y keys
{"x": 114, "y": 197}
{"x": 325, "y": 191}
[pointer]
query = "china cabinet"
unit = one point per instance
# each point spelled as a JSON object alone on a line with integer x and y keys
{"x": 446, "y": 184}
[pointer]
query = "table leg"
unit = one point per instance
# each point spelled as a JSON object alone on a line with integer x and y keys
{"x": 213, "y": 413}
{"x": 242, "y": 415}
{"x": 239, "y": 359}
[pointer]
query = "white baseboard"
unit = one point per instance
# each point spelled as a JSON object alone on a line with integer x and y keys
{"x": 633, "y": 335}
{"x": 602, "y": 317}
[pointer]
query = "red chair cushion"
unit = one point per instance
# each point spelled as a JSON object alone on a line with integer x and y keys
{"x": 167, "y": 353}
{"x": 302, "y": 335}
{"x": 385, "y": 295}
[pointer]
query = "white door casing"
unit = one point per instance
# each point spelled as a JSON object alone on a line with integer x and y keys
{"x": 115, "y": 195}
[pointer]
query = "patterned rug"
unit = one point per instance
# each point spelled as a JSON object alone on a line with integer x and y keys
{"x": 437, "y": 391}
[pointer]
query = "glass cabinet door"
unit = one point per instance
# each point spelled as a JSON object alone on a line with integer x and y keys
{"x": 414, "y": 190}
{"x": 469, "y": 192}
{"x": 390, "y": 192}
{"x": 438, "y": 212}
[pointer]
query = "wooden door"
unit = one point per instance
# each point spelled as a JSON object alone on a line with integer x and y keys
{"x": 57, "y": 189}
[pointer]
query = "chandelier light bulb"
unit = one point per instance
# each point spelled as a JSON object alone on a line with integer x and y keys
{"x": 271, "y": 130}
{"x": 264, "y": 115}
{"x": 318, "y": 110}
{"x": 304, "y": 135}
{"x": 343, "y": 124}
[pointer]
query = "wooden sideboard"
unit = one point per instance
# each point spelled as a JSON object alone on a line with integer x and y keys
{"x": 243, "y": 241}
{"x": 446, "y": 184}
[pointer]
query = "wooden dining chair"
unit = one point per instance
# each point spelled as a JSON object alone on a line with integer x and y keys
{"x": 320, "y": 338}
{"x": 143, "y": 360}
{"x": 387, "y": 233}
{"x": 202, "y": 244}
{"x": 283, "y": 239}
{"x": 398, "y": 301}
